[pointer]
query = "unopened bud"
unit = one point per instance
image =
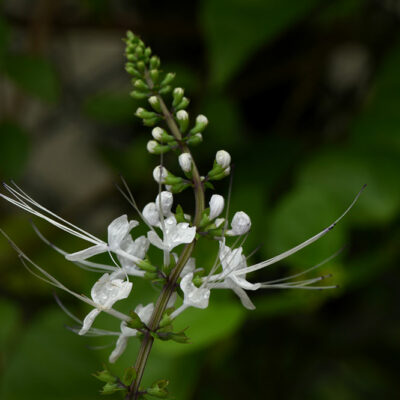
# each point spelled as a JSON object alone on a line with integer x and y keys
{"x": 223, "y": 158}
{"x": 217, "y": 204}
{"x": 155, "y": 103}
{"x": 183, "y": 119}
{"x": 195, "y": 139}
{"x": 185, "y": 161}
{"x": 201, "y": 123}
{"x": 240, "y": 224}
{"x": 151, "y": 146}
{"x": 183, "y": 104}
{"x": 177, "y": 95}
{"x": 168, "y": 79}
{"x": 157, "y": 133}
{"x": 159, "y": 174}
{"x": 164, "y": 201}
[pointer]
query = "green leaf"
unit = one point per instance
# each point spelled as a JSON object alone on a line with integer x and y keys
{"x": 50, "y": 363}
{"x": 236, "y": 29}
{"x": 300, "y": 215}
{"x": 35, "y": 75}
{"x": 205, "y": 327}
{"x": 110, "y": 107}
{"x": 341, "y": 173}
{"x": 14, "y": 149}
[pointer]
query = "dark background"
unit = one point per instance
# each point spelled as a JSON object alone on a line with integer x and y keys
{"x": 305, "y": 95}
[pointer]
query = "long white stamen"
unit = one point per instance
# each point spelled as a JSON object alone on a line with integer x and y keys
{"x": 295, "y": 249}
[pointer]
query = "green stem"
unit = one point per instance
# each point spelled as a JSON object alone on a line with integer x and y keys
{"x": 170, "y": 286}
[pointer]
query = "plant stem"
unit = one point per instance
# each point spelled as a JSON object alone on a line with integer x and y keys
{"x": 170, "y": 286}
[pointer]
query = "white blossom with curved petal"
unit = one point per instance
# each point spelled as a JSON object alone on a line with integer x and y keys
{"x": 194, "y": 296}
{"x": 174, "y": 234}
{"x": 105, "y": 292}
{"x": 118, "y": 231}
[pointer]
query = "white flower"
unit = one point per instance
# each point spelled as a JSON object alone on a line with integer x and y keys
{"x": 137, "y": 248}
{"x": 217, "y": 204}
{"x": 118, "y": 237}
{"x": 223, "y": 158}
{"x": 105, "y": 292}
{"x": 232, "y": 261}
{"x": 153, "y": 100}
{"x": 185, "y": 162}
{"x": 144, "y": 314}
{"x": 194, "y": 296}
{"x": 159, "y": 174}
{"x": 174, "y": 234}
{"x": 240, "y": 224}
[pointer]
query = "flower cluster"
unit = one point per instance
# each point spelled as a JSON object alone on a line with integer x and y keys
{"x": 169, "y": 230}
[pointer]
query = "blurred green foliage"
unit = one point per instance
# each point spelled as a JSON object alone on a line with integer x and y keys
{"x": 303, "y": 145}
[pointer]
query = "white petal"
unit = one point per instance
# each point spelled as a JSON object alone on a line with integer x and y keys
{"x": 151, "y": 214}
{"x": 241, "y": 224}
{"x": 189, "y": 267}
{"x": 165, "y": 199}
{"x": 118, "y": 229}
{"x": 106, "y": 291}
{"x": 241, "y": 282}
{"x": 155, "y": 240}
{"x": 244, "y": 298}
{"x": 145, "y": 312}
{"x": 194, "y": 296}
{"x": 88, "y": 321}
{"x": 120, "y": 347}
{"x": 176, "y": 234}
{"x": 87, "y": 253}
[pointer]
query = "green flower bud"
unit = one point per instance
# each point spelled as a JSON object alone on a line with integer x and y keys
{"x": 142, "y": 113}
{"x": 165, "y": 89}
{"x": 141, "y": 66}
{"x": 183, "y": 104}
{"x": 154, "y": 75}
{"x": 195, "y": 139}
{"x": 151, "y": 121}
{"x": 141, "y": 85}
{"x": 168, "y": 79}
{"x": 139, "y": 95}
{"x": 201, "y": 123}
{"x": 147, "y": 52}
{"x": 154, "y": 147}
{"x": 183, "y": 120}
{"x": 154, "y": 62}
{"x": 177, "y": 95}
{"x": 155, "y": 103}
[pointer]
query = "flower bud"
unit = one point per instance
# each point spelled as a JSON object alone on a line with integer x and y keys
{"x": 240, "y": 224}
{"x": 195, "y": 139}
{"x": 217, "y": 204}
{"x": 201, "y": 123}
{"x": 142, "y": 113}
{"x": 151, "y": 214}
{"x": 183, "y": 104}
{"x": 164, "y": 201}
{"x": 151, "y": 146}
{"x": 160, "y": 174}
{"x": 185, "y": 161}
{"x": 155, "y": 103}
{"x": 157, "y": 133}
{"x": 223, "y": 158}
{"x": 177, "y": 95}
{"x": 168, "y": 79}
{"x": 183, "y": 119}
